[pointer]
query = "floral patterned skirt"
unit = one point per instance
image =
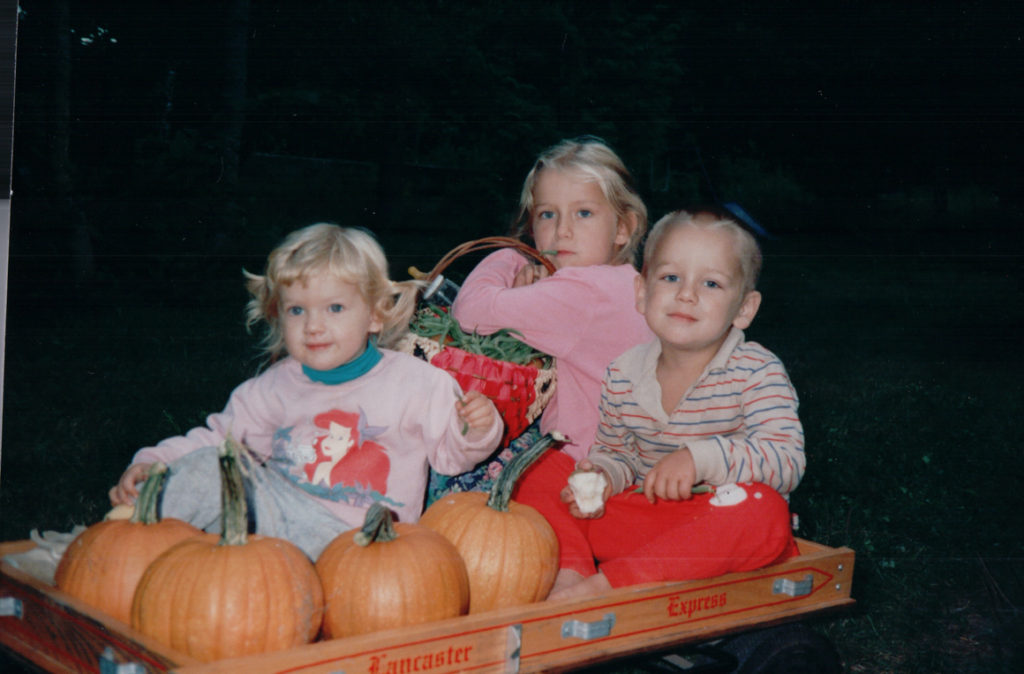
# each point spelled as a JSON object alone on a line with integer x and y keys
{"x": 482, "y": 477}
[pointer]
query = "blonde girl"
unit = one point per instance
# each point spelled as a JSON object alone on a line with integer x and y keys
{"x": 350, "y": 255}
{"x": 590, "y": 159}
{"x": 579, "y": 207}
{"x": 338, "y": 421}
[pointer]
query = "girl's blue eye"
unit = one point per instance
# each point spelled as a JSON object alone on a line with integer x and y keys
{"x": 336, "y": 308}
{"x": 711, "y": 284}
{"x": 545, "y": 215}
{"x": 294, "y": 311}
{"x": 584, "y": 213}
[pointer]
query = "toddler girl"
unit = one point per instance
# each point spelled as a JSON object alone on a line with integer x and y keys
{"x": 578, "y": 207}
{"x": 337, "y": 422}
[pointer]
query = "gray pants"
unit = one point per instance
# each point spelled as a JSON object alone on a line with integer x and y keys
{"x": 278, "y": 507}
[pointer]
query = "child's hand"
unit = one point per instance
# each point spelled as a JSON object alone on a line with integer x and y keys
{"x": 125, "y": 492}
{"x": 528, "y": 274}
{"x": 476, "y": 411}
{"x": 568, "y": 494}
{"x": 672, "y": 478}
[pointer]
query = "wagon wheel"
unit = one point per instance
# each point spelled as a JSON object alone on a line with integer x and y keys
{"x": 787, "y": 649}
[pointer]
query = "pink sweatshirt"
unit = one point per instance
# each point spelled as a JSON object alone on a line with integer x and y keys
{"x": 584, "y": 316}
{"x": 350, "y": 444}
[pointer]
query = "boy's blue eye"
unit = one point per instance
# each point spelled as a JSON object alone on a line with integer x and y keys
{"x": 671, "y": 278}
{"x": 584, "y": 213}
{"x": 336, "y": 308}
{"x": 711, "y": 284}
{"x": 294, "y": 311}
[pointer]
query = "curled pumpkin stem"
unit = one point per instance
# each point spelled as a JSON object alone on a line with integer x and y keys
{"x": 149, "y": 495}
{"x": 378, "y": 527}
{"x": 501, "y": 492}
{"x": 234, "y": 512}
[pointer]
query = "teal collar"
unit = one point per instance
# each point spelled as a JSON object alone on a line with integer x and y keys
{"x": 353, "y": 369}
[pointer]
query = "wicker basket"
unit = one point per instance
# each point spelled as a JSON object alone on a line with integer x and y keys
{"x": 519, "y": 392}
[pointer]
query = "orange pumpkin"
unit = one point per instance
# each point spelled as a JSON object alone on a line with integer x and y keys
{"x": 389, "y": 574}
{"x": 104, "y": 563}
{"x": 220, "y": 597}
{"x": 510, "y": 550}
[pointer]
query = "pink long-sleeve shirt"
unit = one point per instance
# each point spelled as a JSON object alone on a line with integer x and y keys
{"x": 583, "y": 316}
{"x": 350, "y": 444}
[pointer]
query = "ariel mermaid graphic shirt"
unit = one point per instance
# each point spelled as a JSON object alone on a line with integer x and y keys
{"x": 352, "y": 443}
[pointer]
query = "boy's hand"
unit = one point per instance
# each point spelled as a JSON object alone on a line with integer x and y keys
{"x": 476, "y": 411}
{"x": 568, "y": 495}
{"x": 672, "y": 478}
{"x": 125, "y": 492}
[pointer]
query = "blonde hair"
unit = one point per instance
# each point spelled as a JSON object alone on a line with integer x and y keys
{"x": 594, "y": 160}
{"x": 350, "y": 254}
{"x": 748, "y": 252}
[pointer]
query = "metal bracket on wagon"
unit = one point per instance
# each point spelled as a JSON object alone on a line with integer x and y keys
{"x": 794, "y": 588}
{"x": 586, "y": 631}
{"x": 109, "y": 665}
{"x": 11, "y": 606}
{"x": 513, "y": 648}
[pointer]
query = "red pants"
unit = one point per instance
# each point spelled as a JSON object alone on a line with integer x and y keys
{"x": 636, "y": 541}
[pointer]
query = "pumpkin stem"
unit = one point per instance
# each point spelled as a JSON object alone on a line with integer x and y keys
{"x": 234, "y": 513}
{"x": 149, "y": 495}
{"x": 378, "y": 527}
{"x": 501, "y": 492}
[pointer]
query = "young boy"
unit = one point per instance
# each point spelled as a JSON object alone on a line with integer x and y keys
{"x": 699, "y": 433}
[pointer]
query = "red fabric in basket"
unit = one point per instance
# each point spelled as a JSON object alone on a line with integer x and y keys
{"x": 508, "y": 385}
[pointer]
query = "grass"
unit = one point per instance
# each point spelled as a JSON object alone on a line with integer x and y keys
{"x": 908, "y": 384}
{"x": 905, "y": 364}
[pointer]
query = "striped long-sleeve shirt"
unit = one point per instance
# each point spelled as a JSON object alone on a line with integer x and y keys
{"x": 739, "y": 419}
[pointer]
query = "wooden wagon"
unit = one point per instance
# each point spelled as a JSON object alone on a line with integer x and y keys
{"x": 58, "y": 633}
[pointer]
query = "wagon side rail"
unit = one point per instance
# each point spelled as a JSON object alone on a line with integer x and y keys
{"x": 60, "y": 634}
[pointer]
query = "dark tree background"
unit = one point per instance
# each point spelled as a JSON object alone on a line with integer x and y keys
{"x": 153, "y": 134}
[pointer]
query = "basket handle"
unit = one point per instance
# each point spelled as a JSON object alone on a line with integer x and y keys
{"x": 485, "y": 244}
